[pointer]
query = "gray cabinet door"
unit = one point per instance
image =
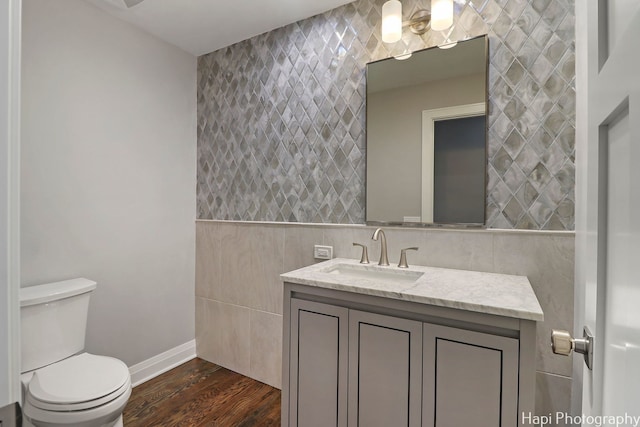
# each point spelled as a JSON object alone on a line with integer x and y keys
{"x": 385, "y": 356}
{"x": 470, "y": 378}
{"x": 318, "y": 365}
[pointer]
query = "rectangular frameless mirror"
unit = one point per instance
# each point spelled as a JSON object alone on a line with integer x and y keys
{"x": 426, "y": 136}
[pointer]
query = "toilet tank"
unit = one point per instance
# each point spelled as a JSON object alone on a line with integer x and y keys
{"x": 53, "y": 320}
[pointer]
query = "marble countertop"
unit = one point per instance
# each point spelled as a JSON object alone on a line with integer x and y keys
{"x": 491, "y": 293}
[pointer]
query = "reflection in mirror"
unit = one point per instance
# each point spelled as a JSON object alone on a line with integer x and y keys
{"x": 426, "y": 136}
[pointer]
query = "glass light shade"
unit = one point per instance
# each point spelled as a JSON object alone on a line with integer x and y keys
{"x": 441, "y": 14}
{"x": 391, "y": 21}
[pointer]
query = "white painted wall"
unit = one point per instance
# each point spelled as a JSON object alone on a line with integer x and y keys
{"x": 9, "y": 206}
{"x": 109, "y": 173}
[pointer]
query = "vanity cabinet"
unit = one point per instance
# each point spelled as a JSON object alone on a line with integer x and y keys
{"x": 361, "y": 360}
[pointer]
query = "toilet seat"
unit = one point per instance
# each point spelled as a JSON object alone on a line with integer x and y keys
{"x": 106, "y": 414}
{"x": 78, "y": 383}
{"x": 80, "y": 406}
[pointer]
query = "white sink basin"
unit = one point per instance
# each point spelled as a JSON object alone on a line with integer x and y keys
{"x": 374, "y": 273}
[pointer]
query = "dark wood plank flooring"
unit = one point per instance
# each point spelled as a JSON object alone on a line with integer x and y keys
{"x": 199, "y": 393}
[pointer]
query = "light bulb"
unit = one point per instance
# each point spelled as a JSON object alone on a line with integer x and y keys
{"x": 391, "y": 21}
{"x": 441, "y": 14}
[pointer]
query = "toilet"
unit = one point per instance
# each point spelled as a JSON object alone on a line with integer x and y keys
{"x": 61, "y": 384}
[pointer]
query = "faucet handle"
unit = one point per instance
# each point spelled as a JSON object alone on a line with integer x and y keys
{"x": 403, "y": 257}
{"x": 364, "y": 259}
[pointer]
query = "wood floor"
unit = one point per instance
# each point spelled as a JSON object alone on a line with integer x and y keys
{"x": 199, "y": 393}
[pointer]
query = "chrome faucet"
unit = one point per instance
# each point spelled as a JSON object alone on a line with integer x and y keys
{"x": 383, "y": 246}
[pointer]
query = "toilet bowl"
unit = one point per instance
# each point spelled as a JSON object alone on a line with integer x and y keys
{"x": 63, "y": 386}
{"x": 83, "y": 390}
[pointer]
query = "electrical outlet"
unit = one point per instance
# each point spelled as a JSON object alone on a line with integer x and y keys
{"x": 322, "y": 252}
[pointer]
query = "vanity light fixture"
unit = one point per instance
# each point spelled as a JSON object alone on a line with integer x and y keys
{"x": 440, "y": 17}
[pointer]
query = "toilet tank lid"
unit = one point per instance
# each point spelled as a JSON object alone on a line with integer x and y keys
{"x": 48, "y": 292}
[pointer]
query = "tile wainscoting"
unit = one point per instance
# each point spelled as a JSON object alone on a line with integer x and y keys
{"x": 239, "y": 291}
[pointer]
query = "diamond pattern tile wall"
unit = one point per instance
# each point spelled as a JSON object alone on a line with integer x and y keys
{"x": 281, "y": 116}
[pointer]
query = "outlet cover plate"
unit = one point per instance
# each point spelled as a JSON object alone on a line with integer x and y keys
{"x": 322, "y": 252}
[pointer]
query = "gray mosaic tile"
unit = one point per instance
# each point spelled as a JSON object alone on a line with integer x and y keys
{"x": 515, "y": 109}
{"x": 515, "y": 73}
{"x": 514, "y": 8}
{"x": 540, "y": 5}
{"x": 513, "y": 211}
{"x": 567, "y": 140}
{"x": 516, "y": 38}
{"x": 514, "y": 178}
{"x": 528, "y": 54}
{"x": 554, "y": 14}
{"x": 566, "y": 178}
{"x": 553, "y": 158}
{"x": 527, "y": 124}
{"x": 539, "y": 177}
{"x": 281, "y": 116}
{"x": 501, "y": 195}
{"x": 565, "y": 212}
{"x": 567, "y": 66}
{"x": 502, "y": 93}
{"x": 541, "y": 104}
{"x": 541, "y": 69}
{"x": 541, "y": 210}
{"x": 490, "y": 12}
{"x": 493, "y": 178}
{"x": 527, "y": 90}
{"x": 554, "y": 86}
{"x": 526, "y": 222}
{"x": 541, "y": 34}
{"x": 555, "y": 121}
{"x": 527, "y": 194}
{"x": 527, "y": 159}
{"x": 514, "y": 143}
{"x": 528, "y": 20}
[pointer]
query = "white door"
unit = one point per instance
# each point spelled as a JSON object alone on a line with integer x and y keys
{"x": 608, "y": 208}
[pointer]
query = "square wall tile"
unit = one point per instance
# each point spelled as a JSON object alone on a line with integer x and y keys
{"x": 298, "y": 245}
{"x": 266, "y": 348}
{"x": 207, "y": 258}
{"x": 223, "y": 333}
{"x": 251, "y": 261}
{"x": 548, "y": 262}
{"x": 553, "y": 397}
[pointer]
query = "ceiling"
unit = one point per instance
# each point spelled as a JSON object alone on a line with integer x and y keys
{"x": 203, "y": 26}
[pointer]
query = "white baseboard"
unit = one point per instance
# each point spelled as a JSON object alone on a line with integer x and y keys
{"x": 156, "y": 365}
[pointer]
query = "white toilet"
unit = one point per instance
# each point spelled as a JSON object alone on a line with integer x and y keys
{"x": 63, "y": 386}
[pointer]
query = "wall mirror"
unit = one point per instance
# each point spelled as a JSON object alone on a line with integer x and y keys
{"x": 426, "y": 136}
